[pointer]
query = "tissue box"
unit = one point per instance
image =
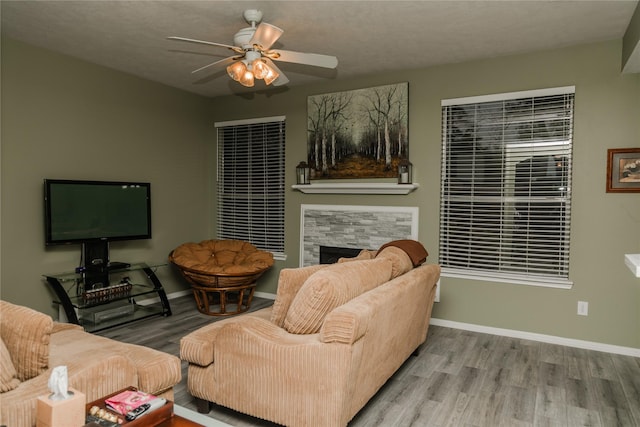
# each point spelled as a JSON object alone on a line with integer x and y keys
{"x": 61, "y": 413}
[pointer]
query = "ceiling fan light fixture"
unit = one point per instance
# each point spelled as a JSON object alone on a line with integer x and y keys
{"x": 260, "y": 69}
{"x": 253, "y": 55}
{"x": 271, "y": 76}
{"x": 237, "y": 70}
{"x": 246, "y": 79}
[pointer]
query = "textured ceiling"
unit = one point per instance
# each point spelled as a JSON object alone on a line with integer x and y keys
{"x": 366, "y": 36}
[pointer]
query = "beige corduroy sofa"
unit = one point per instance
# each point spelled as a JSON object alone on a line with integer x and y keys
{"x": 33, "y": 344}
{"x": 333, "y": 337}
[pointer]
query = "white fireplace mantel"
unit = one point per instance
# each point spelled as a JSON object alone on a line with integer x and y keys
{"x": 355, "y": 188}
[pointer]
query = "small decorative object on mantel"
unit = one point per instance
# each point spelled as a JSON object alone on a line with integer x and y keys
{"x": 405, "y": 171}
{"x": 302, "y": 173}
{"x": 623, "y": 170}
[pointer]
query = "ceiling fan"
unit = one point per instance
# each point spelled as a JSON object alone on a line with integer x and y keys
{"x": 253, "y": 58}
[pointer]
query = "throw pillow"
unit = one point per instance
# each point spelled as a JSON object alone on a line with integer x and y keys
{"x": 8, "y": 375}
{"x": 27, "y": 334}
{"x": 413, "y": 248}
{"x": 364, "y": 254}
{"x": 331, "y": 287}
{"x": 400, "y": 260}
{"x": 289, "y": 283}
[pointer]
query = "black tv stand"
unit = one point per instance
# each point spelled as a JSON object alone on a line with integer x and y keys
{"x": 114, "y": 304}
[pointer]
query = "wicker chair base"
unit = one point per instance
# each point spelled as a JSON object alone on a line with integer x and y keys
{"x": 217, "y": 301}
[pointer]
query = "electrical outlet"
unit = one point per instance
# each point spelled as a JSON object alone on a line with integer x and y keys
{"x": 437, "y": 291}
{"x": 583, "y": 308}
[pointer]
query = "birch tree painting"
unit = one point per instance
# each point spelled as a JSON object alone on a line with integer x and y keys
{"x": 358, "y": 134}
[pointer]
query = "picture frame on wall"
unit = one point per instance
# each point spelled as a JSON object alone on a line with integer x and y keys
{"x": 356, "y": 134}
{"x": 623, "y": 170}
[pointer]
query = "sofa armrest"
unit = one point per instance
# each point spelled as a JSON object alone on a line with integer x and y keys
{"x": 197, "y": 347}
{"x": 26, "y": 334}
{"x": 347, "y": 323}
{"x": 59, "y": 327}
{"x": 157, "y": 371}
{"x": 292, "y": 369}
{"x": 200, "y": 346}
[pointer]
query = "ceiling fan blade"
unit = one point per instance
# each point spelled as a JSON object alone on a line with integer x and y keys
{"x": 265, "y": 35}
{"x": 282, "y": 79}
{"x": 184, "y": 39}
{"x": 224, "y": 61}
{"x": 314, "y": 59}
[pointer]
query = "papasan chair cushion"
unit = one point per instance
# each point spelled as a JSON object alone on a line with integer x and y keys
{"x": 222, "y": 257}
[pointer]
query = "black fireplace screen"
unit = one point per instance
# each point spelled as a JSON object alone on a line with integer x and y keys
{"x": 331, "y": 254}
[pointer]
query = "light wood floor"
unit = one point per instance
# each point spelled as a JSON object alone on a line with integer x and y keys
{"x": 459, "y": 378}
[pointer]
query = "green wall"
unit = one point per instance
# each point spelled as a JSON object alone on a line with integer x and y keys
{"x": 604, "y": 226}
{"x": 65, "y": 118}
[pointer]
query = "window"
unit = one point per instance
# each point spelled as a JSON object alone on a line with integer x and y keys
{"x": 505, "y": 209}
{"x": 251, "y": 182}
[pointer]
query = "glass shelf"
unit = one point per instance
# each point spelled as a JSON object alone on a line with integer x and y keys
{"x": 110, "y": 305}
{"x": 109, "y": 294}
{"x": 70, "y": 276}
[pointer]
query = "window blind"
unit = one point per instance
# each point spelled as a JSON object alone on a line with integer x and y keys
{"x": 251, "y": 182}
{"x": 505, "y": 210}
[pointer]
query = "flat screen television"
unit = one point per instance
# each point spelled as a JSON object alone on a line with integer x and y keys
{"x": 94, "y": 213}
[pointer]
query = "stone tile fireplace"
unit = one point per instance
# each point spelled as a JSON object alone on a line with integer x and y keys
{"x": 357, "y": 227}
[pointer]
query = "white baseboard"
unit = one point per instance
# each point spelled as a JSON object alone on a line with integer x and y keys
{"x": 551, "y": 339}
{"x": 265, "y": 295}
{"x": 156, "y": 299}
{"x": 179, "y": 294}
{"x": 201, "y": 419}
{"x": 569, "y": 342}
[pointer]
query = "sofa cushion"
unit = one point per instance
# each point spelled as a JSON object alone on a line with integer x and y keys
{"x": 156, "y": 371}
{"x": 94, "y": 374}
{"x": 27, "y": 334}
{"x": 331, "y": 287}
{"x": 8, "y": 374}
{"x": 400, "y": 260}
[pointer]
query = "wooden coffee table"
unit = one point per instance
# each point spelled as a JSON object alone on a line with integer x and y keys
{"x": 162, "y": 417}
{"x": 178, "y": 421}
{"x": 174, "y": 421}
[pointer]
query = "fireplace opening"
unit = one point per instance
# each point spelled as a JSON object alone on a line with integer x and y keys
{"x": 331, "y": 254}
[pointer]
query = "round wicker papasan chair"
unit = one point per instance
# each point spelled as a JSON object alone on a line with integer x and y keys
{"x": 222, "y": 273}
